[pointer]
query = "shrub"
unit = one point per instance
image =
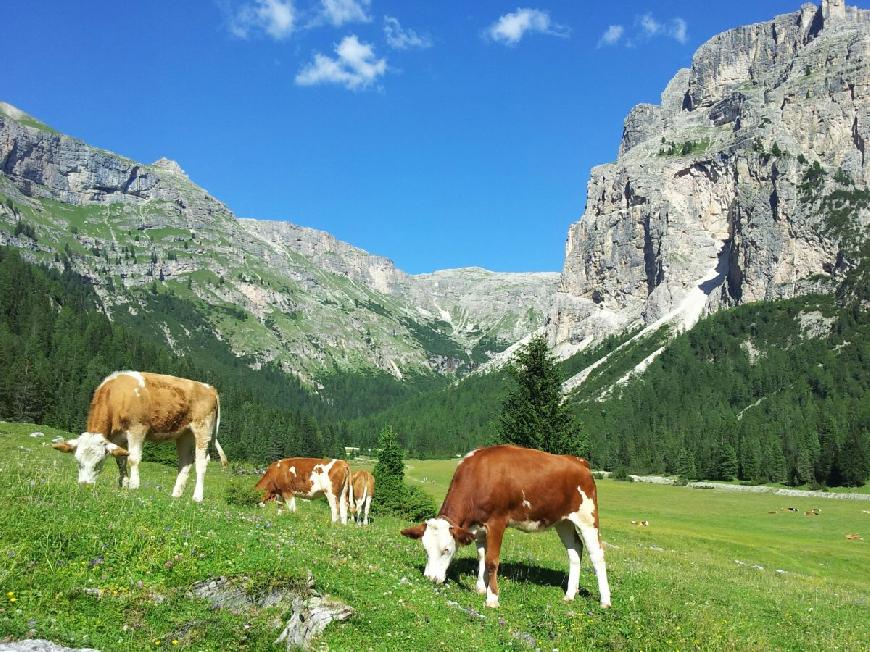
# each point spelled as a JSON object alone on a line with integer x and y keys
{"x": 621, "y": 473}
{"x": 241, "y": 493}
{"x": 393, "y": 495}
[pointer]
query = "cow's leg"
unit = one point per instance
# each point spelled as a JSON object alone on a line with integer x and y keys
{"x": 184, "y": 449}
{"x": 596, "y": 554}
{"x": 574, "y": 546}
{"x": 367, "y": 507}
{"x": 123, "y": 481}
{"x": 343, "y": 504}
{"x": 494, "y": 534}
{"x": 200, "y": 455}
{"x": 290, "y": 501}
{"x": 333, "y": 506}
{"x": 135, "y": 441}
{"x": 202, "y": 432}
{"x": 480, "y": 542}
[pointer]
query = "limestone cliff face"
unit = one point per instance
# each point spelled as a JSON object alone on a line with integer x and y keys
{"x": 714, "y": 198}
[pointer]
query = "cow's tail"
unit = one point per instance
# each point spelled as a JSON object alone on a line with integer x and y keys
{"x": 217, "y": 424}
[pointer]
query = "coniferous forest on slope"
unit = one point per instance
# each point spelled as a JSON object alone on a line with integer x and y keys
{"x": 763, "y": 392}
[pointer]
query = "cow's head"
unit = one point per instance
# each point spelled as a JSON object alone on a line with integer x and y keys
{"x": 439, "y": 540}
{"x": 91, "y": 449}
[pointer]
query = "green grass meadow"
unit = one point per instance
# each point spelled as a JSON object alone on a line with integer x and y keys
{"x": 112, "y": 569}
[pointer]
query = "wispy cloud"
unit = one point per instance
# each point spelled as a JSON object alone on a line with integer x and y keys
{"x": 611, "y": 35}
{"x": 675, "y": 28}
{"x": 679, "y": 30}
{"x": 646, "y": 28}
{"x": 400, "y": 38}
{"x": 339, "y": 12}
{"x": 275, "y": 18}
{"x": 511, "y": 28}
{"x": 356, "y": 66}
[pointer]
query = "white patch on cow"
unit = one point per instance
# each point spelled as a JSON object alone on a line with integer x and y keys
{"x": 584, "y": 520}
{"x": 292, "y": 470}
{"x": 206, "y": 385}
{"x": 527, "y": 526}
{"x": 133, "y": 374}
{"x": 586, "y": 512}
{"x": 526, "y": 503}
{"x": 469, "y": 454}
{"x": 440, "y": 547}
{"x": 491, "y": 598}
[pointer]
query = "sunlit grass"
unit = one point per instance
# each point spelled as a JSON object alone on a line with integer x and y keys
{"x": 111, "y": 569}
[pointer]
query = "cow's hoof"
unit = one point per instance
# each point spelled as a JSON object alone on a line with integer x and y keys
{"x": 605, "y": 605}
{"x": 481, "y": 588}
{"x": 492, "y": 604}
{"x": 197, "y": 499}
{"x": 568, "y": 598}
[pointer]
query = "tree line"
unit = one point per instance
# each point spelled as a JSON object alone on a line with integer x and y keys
{"x": 57, "y": 344}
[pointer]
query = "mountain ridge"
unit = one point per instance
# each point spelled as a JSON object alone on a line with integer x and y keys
{"x": 319, "y": 304}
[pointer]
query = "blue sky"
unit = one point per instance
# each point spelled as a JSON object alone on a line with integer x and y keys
{"x": 436, "y": 133}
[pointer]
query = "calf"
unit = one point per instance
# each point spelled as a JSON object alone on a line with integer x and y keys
{"x": 507, "y": 486}
{"x": 362, "y": 489}
{"x": 131, "y": 407}
{"x": 308, "y": 477}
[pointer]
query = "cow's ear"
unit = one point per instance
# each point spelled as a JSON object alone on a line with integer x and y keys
{"x": 414, "y": 532}
{"x": 115, "y": 450}
{"x": 65, "y": 446}
{"x": 462, "y": 535}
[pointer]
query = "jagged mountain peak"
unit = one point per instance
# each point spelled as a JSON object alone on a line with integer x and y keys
{"x": 742, "y": 185}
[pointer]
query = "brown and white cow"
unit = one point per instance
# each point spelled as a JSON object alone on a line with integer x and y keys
{"x": 130, "y": 407}
{"x": 308, "y": 477}
{"x": 362, "y": 490}
{"x": 507, "y": 486}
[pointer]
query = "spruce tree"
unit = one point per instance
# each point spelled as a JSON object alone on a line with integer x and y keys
{"x": 533, "y": 414}
{"x": 854, "y": 460}
{"x": 686, "y": 468}
{"x": 390, "y": 470}
{"x": 726, "y": 462}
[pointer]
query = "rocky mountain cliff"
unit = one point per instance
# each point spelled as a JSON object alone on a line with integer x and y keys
{"x": 747, "y": 182}
{"x": 155, "y": 244}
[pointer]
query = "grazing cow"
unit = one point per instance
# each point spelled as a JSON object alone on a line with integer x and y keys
{"x": 507, "y": 486}
{"x": 129, "y": 408}
{"x": 308, "y": 477}
{"x": 362, "y": 489}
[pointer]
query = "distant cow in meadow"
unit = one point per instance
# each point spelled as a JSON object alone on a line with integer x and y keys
{"x": 507, "y": 486}
{"x": 308, "y": 477}
{"x": 130, "y": 407}
{"x": 362, "y": 490}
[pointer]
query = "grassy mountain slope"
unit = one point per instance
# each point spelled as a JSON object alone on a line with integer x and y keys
{"x": 274, "y": 292}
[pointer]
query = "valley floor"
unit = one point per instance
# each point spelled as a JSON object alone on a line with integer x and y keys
{"x": 713, "y": 570}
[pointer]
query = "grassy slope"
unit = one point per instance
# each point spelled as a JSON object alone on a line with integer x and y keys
{"x": 675, "y": 584}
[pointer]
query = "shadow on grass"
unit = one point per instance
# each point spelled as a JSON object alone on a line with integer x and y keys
{"x": 513, "y": 571}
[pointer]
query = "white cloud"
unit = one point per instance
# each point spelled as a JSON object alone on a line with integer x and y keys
{"x": 273, "y": 17}
{"x": 679, "y": 30}
{"x": 401, "y": 38}
{"x": 511, "y": 28}
{"x": 675, "y": 28}
{"x": 650, "y": 25}
{"x": 355, "y": 67}
{"x": 611, "y": 35}
{"x": 339, "y": 12}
